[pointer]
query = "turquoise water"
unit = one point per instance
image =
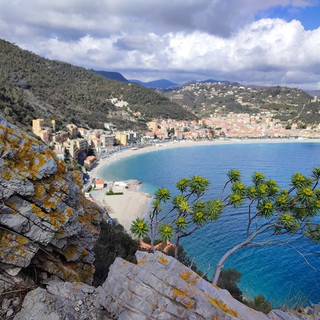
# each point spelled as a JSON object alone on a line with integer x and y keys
{"x": 278, "y": 273}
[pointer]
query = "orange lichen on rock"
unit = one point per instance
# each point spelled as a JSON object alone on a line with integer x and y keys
{"x": 49, "y": 204}
{"x": 216, "y": 286}
{"x": 219, "y": 304}
{"x": 7, "y": 174}
{"x": 183, "y": 297}
{"x": 91, "y": 215}
{"x": 162, "y": 259}
{"x": 55, "y": 217}
{"x": 39, "y": 190}
{"x": 12, "y": 246}
{"x": 77, "y": 177}
{"x": 69, "y": 212}
{"x": 188, "y": 277}
{"x": 143, "y": 260}
{"x": 70, "y": 252}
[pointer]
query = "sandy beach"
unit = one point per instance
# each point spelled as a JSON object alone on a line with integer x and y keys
{"x": 126, "y": 207}
{"x": 133, "y": 203}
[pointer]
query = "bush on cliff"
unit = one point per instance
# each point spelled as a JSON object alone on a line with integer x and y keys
{"x": 113, "y": 242}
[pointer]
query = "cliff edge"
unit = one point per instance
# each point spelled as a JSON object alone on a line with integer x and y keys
{"x": 45, "y": 220}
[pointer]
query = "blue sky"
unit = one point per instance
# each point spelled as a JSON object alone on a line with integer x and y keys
{"x": 308, "y": 16}
{"x": 270, "y": 42}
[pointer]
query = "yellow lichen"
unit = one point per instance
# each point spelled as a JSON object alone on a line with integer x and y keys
{"x": 69, "y": 212}
{"x": 77, "y": 177}
{"x": 21, "y": 239}
{"x": 70, "y": 252}
{"x": 188, "y": 277}
{"x": 49, "y": 204}
{"x": 39, "y": 190}
{"x": 55, "y": 217}
{"x": 219, "y": 304}
{"x": 181, "y": 295}
{"x": 162, "y": 259}
{"x": 143, "y": 260}
{"x": 7, "y": 174}
{"x": 216, "y": 286}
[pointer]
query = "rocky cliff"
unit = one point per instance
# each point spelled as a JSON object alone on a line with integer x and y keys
{"x": 45, "y": 220}
{"x": 157, "y": 287}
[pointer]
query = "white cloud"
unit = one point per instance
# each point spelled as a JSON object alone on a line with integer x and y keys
{"x": 177, "y": 38}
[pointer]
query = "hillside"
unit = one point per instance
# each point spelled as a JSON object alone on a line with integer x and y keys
{"x": 286, "y": 104}
{"x": 112, "y": 75}
{"x": 32, "y": 86}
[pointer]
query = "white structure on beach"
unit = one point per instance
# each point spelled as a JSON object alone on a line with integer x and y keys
{"x": 120, "y": 184}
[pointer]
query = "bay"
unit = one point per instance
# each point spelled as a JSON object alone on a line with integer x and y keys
{"x": 278, "y": 273}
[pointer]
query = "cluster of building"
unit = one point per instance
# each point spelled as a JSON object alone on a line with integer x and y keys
{"x": 230, "y": 125}
{"x": 77, "y": 143}
{"x": 83, "y": 145}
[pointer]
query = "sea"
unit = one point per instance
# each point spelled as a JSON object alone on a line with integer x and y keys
{"x": 279, "y": 273}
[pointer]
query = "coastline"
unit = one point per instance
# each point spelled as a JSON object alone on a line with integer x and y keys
{"x": 133, "y": 203}
{"x": 96, "y": 171}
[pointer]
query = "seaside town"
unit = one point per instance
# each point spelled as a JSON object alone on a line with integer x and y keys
{"x": 84, "y": 146}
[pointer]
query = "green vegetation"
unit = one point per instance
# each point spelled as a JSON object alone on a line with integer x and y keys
{"x": 33, "y": 87}
{"x": 284, "y": 217}
{"x": 111, "y": 193}
{"x": 259, "y": 303}
{"x": 113, "y": 242}
{"x": 286, "y": 104}
{"x": 229, "y": 280}
{"x": 188, "y": 212}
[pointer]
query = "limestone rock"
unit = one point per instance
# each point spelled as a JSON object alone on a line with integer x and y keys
{"x": 160, "y": 287}
{"x": 45, "y": 219}
{"x": 309, "y": 313}
{"x": 61, "y": 301}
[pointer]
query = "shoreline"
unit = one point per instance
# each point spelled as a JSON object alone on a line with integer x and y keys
{"x": 134, "y": 203}
{"x": 96, "y": 171}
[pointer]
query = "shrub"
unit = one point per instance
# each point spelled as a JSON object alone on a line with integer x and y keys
{"x": 113, "y": 242}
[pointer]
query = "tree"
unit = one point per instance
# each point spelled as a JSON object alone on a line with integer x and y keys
{"x": 187, "y": 214}
{"x": 274, "y": 216}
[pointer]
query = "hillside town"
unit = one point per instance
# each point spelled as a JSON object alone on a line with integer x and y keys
{"x": 85, "y": 145}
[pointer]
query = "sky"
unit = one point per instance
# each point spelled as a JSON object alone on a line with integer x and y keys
{"x": 263, "y": 42}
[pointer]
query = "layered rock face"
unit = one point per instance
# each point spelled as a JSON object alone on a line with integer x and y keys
{"x": 157, "y": 287}
{"x": 44, "y": 218}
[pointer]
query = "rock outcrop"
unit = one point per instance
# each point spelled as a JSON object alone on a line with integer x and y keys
{"x": 157, "y": 287}
{"x": 44, "y": 218}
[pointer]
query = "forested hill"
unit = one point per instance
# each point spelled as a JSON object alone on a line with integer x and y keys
{"x": 32, "y": 87}
{"x": 287, "y": 104}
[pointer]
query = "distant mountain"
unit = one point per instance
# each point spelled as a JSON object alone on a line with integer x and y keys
{"x": 157, "y": 84}
{"x": 34, "y": 87}
{"x": 112, "y": 75}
